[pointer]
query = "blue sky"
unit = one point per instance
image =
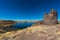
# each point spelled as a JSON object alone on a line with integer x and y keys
{"x": 27, "y": 9}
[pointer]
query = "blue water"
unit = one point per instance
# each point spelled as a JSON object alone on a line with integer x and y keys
{"x": 22, "y": 25}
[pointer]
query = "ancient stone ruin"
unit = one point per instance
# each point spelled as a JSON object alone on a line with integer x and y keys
{"x": 51, "y": 18}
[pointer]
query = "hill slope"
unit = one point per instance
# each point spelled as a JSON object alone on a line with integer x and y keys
{"x": 35, "y": 32}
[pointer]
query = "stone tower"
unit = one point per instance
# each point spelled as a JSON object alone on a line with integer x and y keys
{"x": 50, "y": 19}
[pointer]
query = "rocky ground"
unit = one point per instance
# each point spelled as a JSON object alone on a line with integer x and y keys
{"x": 35, "y": 32}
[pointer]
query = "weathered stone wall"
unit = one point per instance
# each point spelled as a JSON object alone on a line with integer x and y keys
{"x": 50, "y": 19}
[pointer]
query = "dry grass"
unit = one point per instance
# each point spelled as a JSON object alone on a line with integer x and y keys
{"x": 36, "y": 31}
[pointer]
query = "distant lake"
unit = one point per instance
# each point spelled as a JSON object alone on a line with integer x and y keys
{"x": 21, "y": 25}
